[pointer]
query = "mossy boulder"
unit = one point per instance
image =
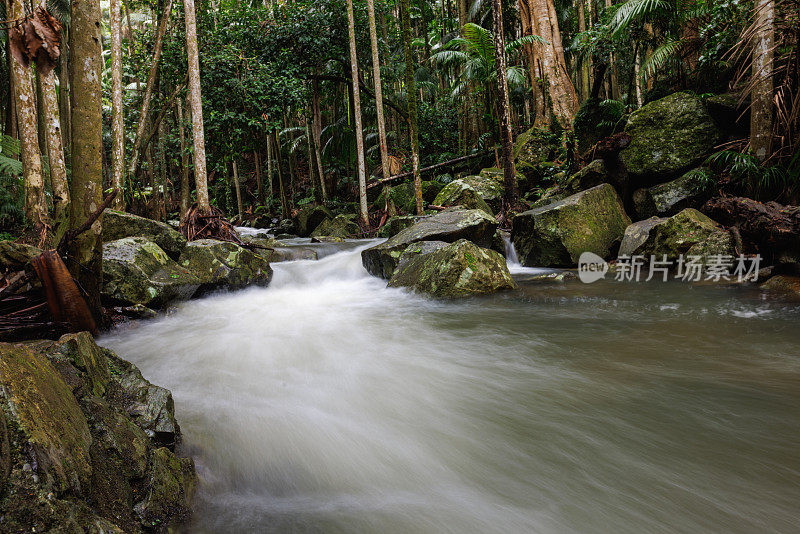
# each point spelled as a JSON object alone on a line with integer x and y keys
{"x": 308, "y": 218}
{"x": 688, "y": 191}
{"x": 593, "y": 122}
{"x": 280, "y": 254}
{"x": 729, "y": 114}
{"x": 461, "y": 193}
{"x": 669, "y": 137}
{"x": 457, "y": 269}
{"x": 74, "y": 458}
{"x": 450, "y": 225}
{"x": 532, "y": 148}
{"x": 394, "y": 225}
{"x": 688, "y": 233}
{"x": 785, "y": 284}
{"x": 117, "y": 225}
{"x": 222, "y": 264}
{"x": 137, "y": 271}
{"x": 592, "y": 175}
{"x": 402, "y": 195}
{"x": 557, "y": 234}
{"x": 343, "y": 226}
{"x": 14, "y": 256}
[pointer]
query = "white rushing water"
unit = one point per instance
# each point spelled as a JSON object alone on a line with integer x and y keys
{"x": 330, "y": 403}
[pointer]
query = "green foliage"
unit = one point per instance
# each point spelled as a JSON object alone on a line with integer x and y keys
{"x": 11, "y": 188}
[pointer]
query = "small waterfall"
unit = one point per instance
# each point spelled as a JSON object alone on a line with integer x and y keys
{"x": 511, "y": 252}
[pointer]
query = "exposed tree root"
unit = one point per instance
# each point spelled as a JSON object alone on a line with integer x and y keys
{"x": 196, "y": 225}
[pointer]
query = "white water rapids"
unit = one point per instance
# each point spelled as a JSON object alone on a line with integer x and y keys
{"x": 330, "y": 403}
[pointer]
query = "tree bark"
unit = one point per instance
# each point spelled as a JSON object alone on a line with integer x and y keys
{"x": 196, "y": 104}
{"x": 762, "y": 86}
{"x": 362, "y": 170}
{"x": 285, "y": 212}
{"x": 259, "y": 178}
{"x": 269, "y": 166}
{"x": 411, "y": 96}
{"x": 63, "y": 94}
{"x": 55, "y": 150}
{"x": 511, "y": 194}
{"x": 87, "y": 172}
{"x": 376, "y": 72}
{"x": 311, "y": 174}
{"x": 584, "y": 69}
{"x": 317, "y": 130}
{"x": 239, "y": 203}
{"x": 185, "y": 191}
{"x": 117, "y": 117}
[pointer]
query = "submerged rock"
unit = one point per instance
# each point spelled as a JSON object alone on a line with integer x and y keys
{"x": 688, "y": 191}
{"x": 457, "y": 269}
{"x": 669, "y": 137}
{"x": 689, "y": 233}
{"x": 137, "y": 271}
{"x": 341, "y": 226}
{"x": 117, "y": 225}
{"x": 449, "y": 225}
{"x": 557, "y": 234}
{"x": 222, "y": 264}
{"x": 72, "y": 459}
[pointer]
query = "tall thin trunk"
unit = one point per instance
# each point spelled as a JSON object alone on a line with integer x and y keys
{"x": 55, "y": 150}
{"x": 185, "y": 192}
{"x": 762, "y": 87}
{"x": 144, "y": 113}
{"x": 285, "y": 212}
{"x": 65, "y": 109}
{"x": 33, "y": 177}
{"x": 584, "y": 71}
{"x": 411, "y": 95}
{"x": 511, "y": 195}
{"x": 311, "y": 174}
{"x": 87, "y": 170}
{"x": 239, "y": 203}
{"x": 162, "y": 168}
{"x": 613, "y": 70}
{"x": 11, "y": 117}
{"x": 637, "y": 80}
{"x": 117, "y": 119}
{"x": 269, "y": 166}
{"x": 376, "y": 72}
{"x": 317, "y": 128}
{"x": 196, "y": 104}
{"x": 362, "y": 168}
{"x": 259, "y": 178}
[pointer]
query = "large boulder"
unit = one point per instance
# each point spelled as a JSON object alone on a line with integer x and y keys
{"x": 73, "y": 455}
{"x": 688, "y": 191}
{"x": 592, "y": 175}
{"x": 532, "y": 148}
{"x": 669, "y": 137}
{"x": 449, "y": 225}
{"x": 222, "y": 264}
{"x": 461, "y": 193}
{"x": 308, "y": 218}
{"x": 689, "y": 233}
{"x": 342, "y": 226}
{"x": 458, "y": 269}
{"x": 557, "y": 234}
{"x": 402, "y": 195}
{"x": 117, "y": 224}
{"x": 137, "y": 271}
{"x": 394, "y": 225}
{"x": 785, "y": 284}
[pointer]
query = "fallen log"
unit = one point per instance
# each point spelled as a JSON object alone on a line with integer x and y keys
{"x": 383, "y": 181}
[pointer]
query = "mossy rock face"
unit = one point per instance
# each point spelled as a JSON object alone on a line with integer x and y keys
{"x": 308, "y": 218}
{"x": 137, "y": 271}
{"x": 460, "y": 193}
{"x": 342, "y": 226}
{"x": 728, "y": 113}
{"x": 450, "y": 225}
{"x": 689, "y": 233}
{"x": 532, "y": 148}
{"x": 592, "y": 175}
{"x": 459, "y": 269}
{"x": 14, "y": 256}
{"x": 280, "y": 254}
{"x": 557, "y": 234}
{"x": 669, "y": 198}
{"x": 402, "y": 195}
{"x": 75, "y": 456}
{"x": 117, "y": 225}
{"x": 222, "y": 264}
{"x": 669, "y": 137}
{"x": 394, "y": 225}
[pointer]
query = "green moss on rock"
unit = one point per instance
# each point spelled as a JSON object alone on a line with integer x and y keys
{"x": 688, "y": 191}
{"x": 222, "y": 264}
{"x": 461, "y": 193}
{"x": 342, "y": 226}
{"x": 117, "y": 225}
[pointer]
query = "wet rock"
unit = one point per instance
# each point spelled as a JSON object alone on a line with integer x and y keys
{"x": 14, "y": 256}
{"x": 402, "y": 195}
{"x": 137, "y": 311}
{"x": 281, "y": 254}
{"x": 557, "y": 234}
{"x": 688, "y": 191}
{"x": 341, "y": 226}
{"x": 394, "y": 225}
{"x": 172, "y": 484}
{"x": 689, "y": 233}
{"x": 419, "y": 249}
{"x": 222, "y": 264}
{"x": 787, "y": 285}
{"x": 137, "y": 271}
{"x": 592, "y": 175}
{"x": 669, "y": 137}
{"x": 457, "y": 269}
{"x": 449, "y": 225}
{"x": 460, "y": 193}
{"x": 532, "y": 148}
{"x": 308, "y": 218}
{"x": 117, "y": 225}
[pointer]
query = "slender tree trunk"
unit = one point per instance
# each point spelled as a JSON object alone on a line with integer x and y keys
{"x": 282, "y": 188}
{"x": 87, "y": 172}
{"x": 117, "y": 118}
{"x": 144, "y": 113}
{"x": 11, "y": 117}
{"x": 239, "y": 203}
{"x": 311, "y": 174}
{"x": 317, "y": 127}
{"x": 511, "y": 195}
{"x": 411, "y": 95}
{"x": 185, "y": 192}
{"x": 762, "y": 87}
{"x": 376, "y": 70}
{"x": 196, "y": 104}
{"x": 65, "y": 112}
{"x": 362, "y": 171}
{"x": 33, "y": 177}
{"x": 269, "y": 167}
{"x": 584, "y": 71}
{"x": 637, "y": 80}
{"x": 55, "y": 150}
{"x": 259, "y": 178}
{"x": 162, "y": 169}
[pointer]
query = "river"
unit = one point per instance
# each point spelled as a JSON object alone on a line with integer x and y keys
{"x": 330, "y": 403}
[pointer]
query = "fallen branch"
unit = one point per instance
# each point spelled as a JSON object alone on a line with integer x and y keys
{"x": 425, "y": 169}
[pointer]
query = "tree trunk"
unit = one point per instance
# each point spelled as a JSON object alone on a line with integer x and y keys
{"x": 117, "y": 119}
{"x": 285, "y": 212}
{"x": 87, "y": 171}
{"x": 259, "y": 178}
{"x": 376, "y": 70}
{"x": 584, "y": 72}
{"x": 762, "y": 86}
{"x": 269, "y": 167}
{"x": 317, "y": 128}
{"x": 362, "y": 171}
{"x": 162, "y": 169}
{"x": 185, "y": 191}
{"x": 65, "y": 112}
{"x": 196, "y": 104}
{"x": 144, "y": 113}
{"x": 33, "y": 177}
{"x": 239, "y": 203}
{"x": 411, "y": 96}
{"x": 55, "y": 150}
{"x": 511, "y": 195}
{"x": 311, "y": 174}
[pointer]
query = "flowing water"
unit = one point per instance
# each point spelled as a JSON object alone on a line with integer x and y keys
{"x": 329, "y": 403}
